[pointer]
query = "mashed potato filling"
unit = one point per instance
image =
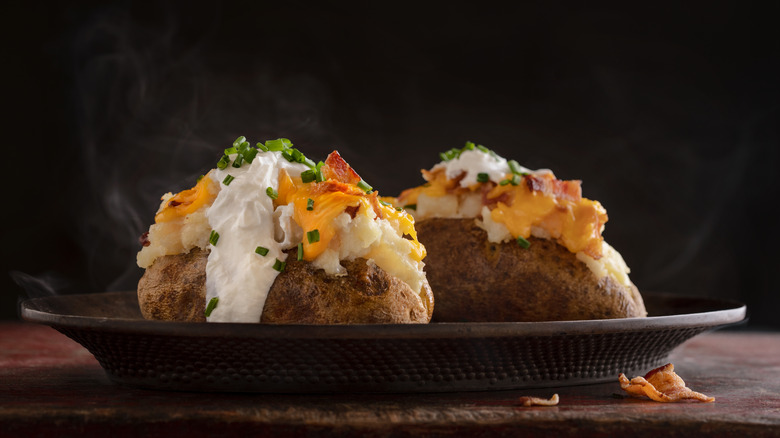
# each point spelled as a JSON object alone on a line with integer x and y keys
{"x": 263, "y": 208}
{"x": 510, "y": 201}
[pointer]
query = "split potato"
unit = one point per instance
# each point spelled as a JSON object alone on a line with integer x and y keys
{"x": 173, "y": 288}
{"x": 476, "y": 280}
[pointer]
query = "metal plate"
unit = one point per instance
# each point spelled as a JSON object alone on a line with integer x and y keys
{"x": 434, "y": 357}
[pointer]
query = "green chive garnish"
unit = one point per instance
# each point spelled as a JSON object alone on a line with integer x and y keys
{"x": 411, "y": 206}
{"x": 230, "y": 151}
{"x": 522, "y": 242}
{"x": 469, "y": 146}
{"x": 300, "y": 251}
{"x": 386, "y": 204}
{"x": 313, "y": 236}
{"x": 483, "y": 177}
{"x": 288, "y": 156}
{"x": 238, "y": 141}
{"x": 279, "y": 265}
{"x": 250, "y": 154}
{"x": 310, "y": 204}
{"x": 308, "y": 176}
{"x": 214, "y": 237}
{"x": 263, "y": 251}
{"x": 228, "y": 179}
{"x": 483, "y": 149}
{"x": 271, "y": 193}
{"x": 223, "y": 162}
{"x": 365, "y": 186}
{"x": 262, "y": 147}
{"x": 275, "y": 145}
{"x": 211, "y": 306}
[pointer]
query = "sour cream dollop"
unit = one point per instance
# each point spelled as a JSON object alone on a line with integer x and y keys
{"x": 243, "y": 216}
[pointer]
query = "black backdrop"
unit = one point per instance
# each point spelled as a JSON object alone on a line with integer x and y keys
{"x": 667, "y": 113}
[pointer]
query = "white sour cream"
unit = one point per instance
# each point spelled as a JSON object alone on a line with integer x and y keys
{"x": 243, "y": 215}
{"x": 473, "y": 162}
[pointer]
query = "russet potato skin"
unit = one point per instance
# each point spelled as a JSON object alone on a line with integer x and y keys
{"x": 476, "y": 280}
{"x": 174, "y": 289}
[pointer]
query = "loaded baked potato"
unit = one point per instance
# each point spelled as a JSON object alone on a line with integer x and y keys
{"x": 269, "y": 236}
{"x": 506, "y": 243}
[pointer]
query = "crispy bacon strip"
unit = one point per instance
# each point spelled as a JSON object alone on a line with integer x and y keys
{"x": 662, "y": 385}
{"x": 336, "y": 168}
{"x": 536, "y": 401}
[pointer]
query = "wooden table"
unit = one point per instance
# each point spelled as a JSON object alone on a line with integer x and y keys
{"x": 51, "y": 386}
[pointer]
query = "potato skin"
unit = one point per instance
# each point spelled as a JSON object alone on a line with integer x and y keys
{"x": 174, "y": 289}
{"x": 476, "y": 280}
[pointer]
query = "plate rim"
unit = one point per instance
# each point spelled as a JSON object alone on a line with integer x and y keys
{"x": 728, "y": 312}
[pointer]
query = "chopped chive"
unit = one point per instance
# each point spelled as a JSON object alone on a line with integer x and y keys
{"x": 313, "y": 236}
{"x": 238, "y": 161}
{"x": 214, "y": 237}
{"x": 263, "y": 251}
{"x": 199, "y": 178}
{"x": 279, "y": 265}
{"x": 469, "y": 146}
{"x": 310, "y": 204}
{"x": 311, "y": 164}
{"x": 297, "y": 155}
{"x": 515, "y": 167}
{"x": 288, "y": 156}
{"x": 211, "y": 306}
{"x": 271, "y": 193}
{"x": 223, "y": 162}
{"x": 228, "y": 179}
{"x": 230, "y": 151}
{"x": 386, "y": 204}
{"x": 262, "y": 147}
{"x": 365, "y": 186}
{"x": 300, "y": 251}
{"x": 483, "y": 149}
{"x": 275, "y": 145}
{"x": 483, "y": 177}
{"x": 308, "y": 176}
{"x": 238, "y": 141}
{"x": 287, "y": 143}
{"x": 250, "y": 154}
{"x": 504, "y": 182}
{"x": 411, "y": 206}
{"x": 515, "y": 180}
{"x": 522, "y": 242}
{"x": 399, "y": 209}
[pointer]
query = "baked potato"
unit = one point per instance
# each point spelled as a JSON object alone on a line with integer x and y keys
{"x": 506, "y": 243}
{"x": 478, "y": 280}
{"x": 271, "y": 237}
{"x": 174, "y": 289}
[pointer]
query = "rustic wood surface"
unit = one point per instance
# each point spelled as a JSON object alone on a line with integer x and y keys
{"x": 51, "y": 386}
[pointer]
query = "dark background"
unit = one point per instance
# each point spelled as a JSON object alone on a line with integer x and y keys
{"x": 667, "y": 113}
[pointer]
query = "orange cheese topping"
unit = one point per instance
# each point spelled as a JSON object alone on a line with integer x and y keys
{"x": 542, "y": 201}
{"x": 187, "y": 201}
{"x": 331, "y": 198}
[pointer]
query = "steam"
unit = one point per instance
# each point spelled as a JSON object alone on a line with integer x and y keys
{"x": 153, "y": 109}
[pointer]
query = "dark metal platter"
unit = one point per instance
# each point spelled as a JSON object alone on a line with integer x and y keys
{"x": 434, "y": 357}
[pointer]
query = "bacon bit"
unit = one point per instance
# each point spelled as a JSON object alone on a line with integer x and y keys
{"x": 352, "y": 211}
{"x": 505, "y": 197}
{"x": 335, "y": 186}
{"x": 454, "y": 184}
{"x": 373, "y": 198}
{"x": 662, "y": 385}
{"x": 536, "y": 401}
{"x": 336, "y": 168}
{"x": 549, "y": 185}
{"x": 144, "y": 239}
